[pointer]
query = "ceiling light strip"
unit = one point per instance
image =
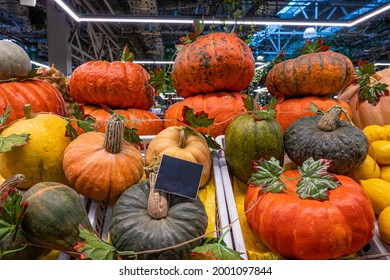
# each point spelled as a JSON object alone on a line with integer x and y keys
{"x": 68, "y": 10}
{"x": 39, "y": 64}
{"x": 370, "y": 14}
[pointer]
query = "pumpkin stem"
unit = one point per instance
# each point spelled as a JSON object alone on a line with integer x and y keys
{"x": 330, "y": 119}
{"x": 182, "y": 139}
{"x": 114, "y": 134}
{"x": 28, "y": 111}
{"x": 158, "y": 205}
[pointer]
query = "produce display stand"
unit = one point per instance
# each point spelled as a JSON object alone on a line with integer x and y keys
{"x": 374, "y": 247}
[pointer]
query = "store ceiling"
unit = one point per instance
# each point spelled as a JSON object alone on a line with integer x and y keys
{"x": 28, "y": 25}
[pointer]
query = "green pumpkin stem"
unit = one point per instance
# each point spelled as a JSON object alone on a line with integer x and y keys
{"x": 28, "y": 111}
{"x": 158, "y": 204}
{"x": 114, "y": 134}
{"x": 330, "y": 119}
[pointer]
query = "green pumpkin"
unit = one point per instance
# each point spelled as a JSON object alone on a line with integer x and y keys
{"x": 14, "y": 61}
{"x": 133, "y": 229}
{"x": 53, "y": 216}
{"x": 249, "y": 138}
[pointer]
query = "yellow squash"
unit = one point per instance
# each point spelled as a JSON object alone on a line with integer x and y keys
{"x": 378, "y": 191}
{"x": 380, "y": 151}
{"x": 368, "y": 169}
{"x": 374, "y": 133}
{"x": 41, "y": 159}
{"x": 384, "y": 225}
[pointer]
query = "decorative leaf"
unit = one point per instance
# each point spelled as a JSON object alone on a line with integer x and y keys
{"x": 200, "y": 119}
{"x": 315, "y": 46}
{"x": 278, "y": 58}
{"x": 198, "y": 27}
{"x": 161, "y": 80}
{"x": 4, "y": 118}
{"x": 127, "y": 55}
{"x": 30, "y": 74}
{"x": 248, "y": 103}
{"x": 84, "y": 121}
{"x": 314, "y": 109}
{"x": 267, "y": 175}
{"x": 211, "y": 142}
{"x": 261, "y": 72}
{"x": 93, "y": 247}
{"x": 7, "y": 142}
{"x": 316, "y": 180}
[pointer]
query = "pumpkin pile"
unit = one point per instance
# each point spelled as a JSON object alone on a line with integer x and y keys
{"x": 313, "y": 77}
{"x": 210, "y": 74}
{"x": 122, "y": 86}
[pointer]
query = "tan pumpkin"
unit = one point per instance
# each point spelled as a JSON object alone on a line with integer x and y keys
{"x": 177, "y": 141}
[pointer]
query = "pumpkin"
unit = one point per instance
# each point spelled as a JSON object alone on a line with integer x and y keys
{"x": 326, "y": 137}
{"x": 14, "y": 60}
{"x": 214, "y": 62}
{"x": 134, "y": 227}
{"x": 248, "y": 138}
{"x": 319, "y": 74}
{"x": 146, "y": 122}
{"x": 179, "y": 142}
{"x": 42, "y": 96}
{"x": 308, "y": 228}
{"x": 41, "y": 159}
{"x": 364, "y": 113}
{"x": 53, "y": 216}
{"x": 220, "y": 106}
{"x": 101, "y": 166}
{"x": 290, "y": 110}
{"x": 115, "y": 84}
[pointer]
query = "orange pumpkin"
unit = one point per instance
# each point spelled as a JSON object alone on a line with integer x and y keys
{"x": 220, "y": 106}
{"x": 42, "y": 96}
{"x": 213, "y": 62}
{"x": 102, "y": 166}
{"x": 307, "y": 228}
{"x": 115, "y": 84}
{"x": 364, "y": 113}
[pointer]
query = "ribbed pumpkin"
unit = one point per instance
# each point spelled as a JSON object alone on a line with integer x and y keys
{"x": 307, "y": 228}
{"x": 319, "y": 74}
{"x": 247, "y": 138}
{"x": 101, "y": 166}
{"x": 290, "y": 110}
{"x": 14, "y": 61}
{"x": 41, "y": 159}
{"x": 326, "y": 137}
{"x": 134, "y": 228}
{"x": 177, "y": 142}
{"x": 146, "y": 122}
{"x": 220, "y": 106}
{"x": 214, "y": 62}
{"x": 53, "y": 216}
{"x": 115, "y": 84}
{"x": 42, "y": 96}
{"x": 364, "y": 113}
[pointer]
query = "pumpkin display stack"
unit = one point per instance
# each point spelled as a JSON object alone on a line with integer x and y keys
{"x": 210, "y": 73}
{"x": 314, "y": 77}
{"x": 122, "y": 86}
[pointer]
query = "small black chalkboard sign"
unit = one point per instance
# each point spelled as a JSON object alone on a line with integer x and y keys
{"x": 179, "y": 177}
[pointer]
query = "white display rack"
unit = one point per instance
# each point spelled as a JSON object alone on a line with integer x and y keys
{"x": 374, "y": 247}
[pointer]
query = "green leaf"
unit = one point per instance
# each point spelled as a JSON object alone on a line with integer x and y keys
{"x": 211, "y": 142}
{"x": 4, "y": 117}
{"x": 200, "y": 119}
{"x": 316, "y": 180}
{"x": 84, "y": 121}
{"x": 70, "y": 131}
{"x": 93, "y": 247}
{"x": 315, "y": 46}
{"x": 8, "y": 142}
{"x": 314, "y": 109}
{"x": 127, "y": 55}
{"x": 248, "y": 103}
{"x": 161, "y": 80}
{"x": 131, "y": 136}
{"x": 267, "y": 175}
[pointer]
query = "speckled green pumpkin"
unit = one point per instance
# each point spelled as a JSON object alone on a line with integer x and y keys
{"x": 248, "y": 138}
{"x": 132, "y": 229}
{"x": 53, "y": 216}
{"x": 346, "y": 146}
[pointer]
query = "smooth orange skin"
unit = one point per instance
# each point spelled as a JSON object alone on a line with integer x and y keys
{"x": 214, "y": 62}
{"x": 220, "y": 106}
{"x": 42, "y": 96}
{"x": 115, "y": 84}
{"x": 311, "y": 229}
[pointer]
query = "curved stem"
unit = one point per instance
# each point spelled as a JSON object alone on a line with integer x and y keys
{"x": 330, "y": 119}
{"x": 114, "y": 134}
{"x": 28, "y": 111}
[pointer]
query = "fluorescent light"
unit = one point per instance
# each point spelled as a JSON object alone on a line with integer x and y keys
{"x": 370, "y": 15}
{"x": 153, "y": 62}
{"x": 39, "y": 64}
{"x": 382, "y": 63}
{"x": 67, "y": 9}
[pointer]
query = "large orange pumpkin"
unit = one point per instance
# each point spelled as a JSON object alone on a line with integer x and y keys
{"x": 363, "y": 112}
{"x": 320, "y": 74}
{"x": 213, "y": 62}
{"x": 42, "y": 96}
{"x": 307, "y": 228}
{"x": 115, "y": 84}
{"x": 290, "y": 110}
{"x": 220, "y": 106}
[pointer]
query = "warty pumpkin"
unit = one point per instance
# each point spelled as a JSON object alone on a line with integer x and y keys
{"x": 214, "y": 62}
{"x": 14, "y": 61}
{"x": 42, "y": 96}
{"x": 101, "y": 166}
{"x": 319, "y": 74}
{"x": 220, "y": 106}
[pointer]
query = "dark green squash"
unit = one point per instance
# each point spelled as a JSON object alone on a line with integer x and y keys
{"x": 248, "y": 138}
{"x": 53, "y": 216}
{"x": 132, "y": 228}
{"x": 326, "y": 137}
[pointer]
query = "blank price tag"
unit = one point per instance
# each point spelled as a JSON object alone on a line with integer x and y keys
{"x": 179, "y": 177}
